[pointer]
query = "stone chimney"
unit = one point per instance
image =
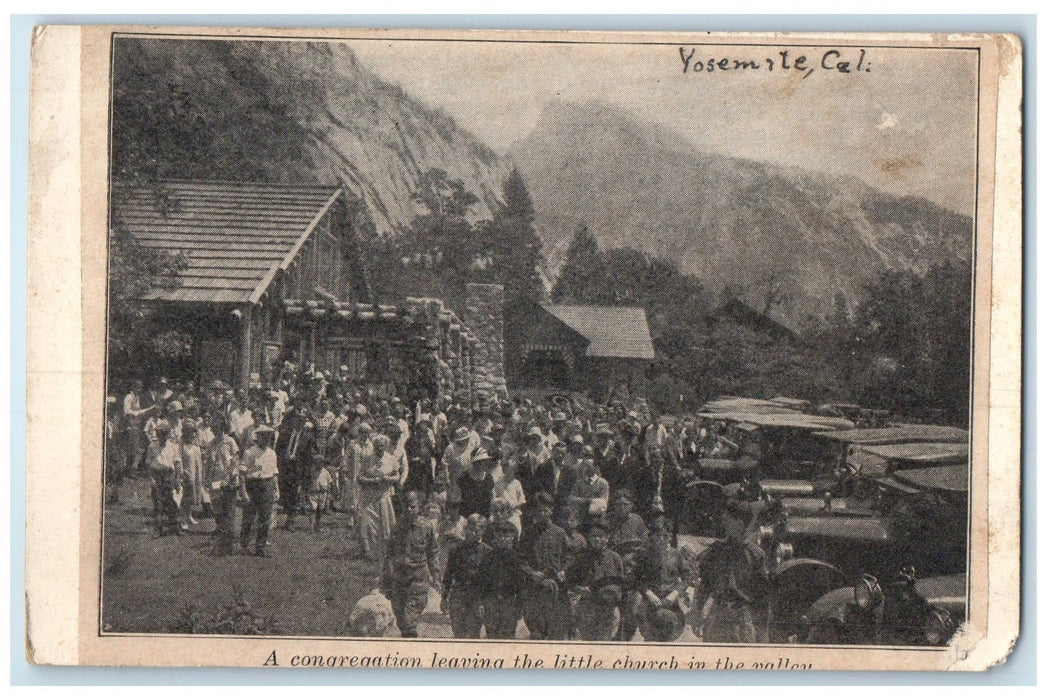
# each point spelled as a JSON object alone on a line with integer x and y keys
{"x": 484, "y": 318}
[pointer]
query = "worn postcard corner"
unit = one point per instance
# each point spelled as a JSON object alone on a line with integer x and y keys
{"x": 530, "y": 350}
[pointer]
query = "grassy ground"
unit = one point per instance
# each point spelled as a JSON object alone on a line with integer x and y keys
{"x": 175, "y": 584}
{"x": 158, "y": 584}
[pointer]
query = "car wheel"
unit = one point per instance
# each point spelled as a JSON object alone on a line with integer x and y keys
{"x": 826, "y": 632}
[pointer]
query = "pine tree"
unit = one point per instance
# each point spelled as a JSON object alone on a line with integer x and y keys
{"x": 515, "y": 246}
{"x": 582, "y": 277}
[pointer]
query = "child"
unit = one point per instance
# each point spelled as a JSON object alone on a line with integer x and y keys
{"x": 597, "y": 579}
{"x": 461, "y": 584}
{"x": 543, "y": 551}
{"x": 319, "y": 493}
{"x": 501, "y": 580}
{"x": 411, "y": 565}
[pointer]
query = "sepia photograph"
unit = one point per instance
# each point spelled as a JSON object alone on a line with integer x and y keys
{"x": 542, "y": 338}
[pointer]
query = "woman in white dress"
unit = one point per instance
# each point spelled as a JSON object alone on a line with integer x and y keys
{"x": 377, "y": 481}
{"x": 508, "y": 488}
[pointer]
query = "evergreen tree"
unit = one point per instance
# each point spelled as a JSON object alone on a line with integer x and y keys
{"x": 583, "y": 275}
{"x": 515, "y": 247}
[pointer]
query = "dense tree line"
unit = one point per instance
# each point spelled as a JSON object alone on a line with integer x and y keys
{"x": 446, "y": 247}
{"x": 903, "y": 346}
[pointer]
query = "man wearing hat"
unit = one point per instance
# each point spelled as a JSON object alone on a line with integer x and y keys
{"x": 501, "y": 577}
{"x": 734, "y": 585}
{"x": 628, "y": 535}
{"x": 596, "y": 579}
{"x": 532, "y": 462}
{"x": 476, "y": 485}
{"x": 544, "y": 553}
{"x": 225, "y": 482}
{"x": 559, "y": 429}
{"x": 260, "y": 472}
{"x": 456, "y": 460}
{"x": 299, "y": 454}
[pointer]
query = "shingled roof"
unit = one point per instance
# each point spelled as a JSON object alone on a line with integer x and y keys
{"x": 236, "y": 235}
{"x": 612, "y": 331}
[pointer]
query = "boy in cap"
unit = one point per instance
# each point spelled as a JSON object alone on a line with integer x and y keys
{"x": 596, "y": 579}
{"x": 628, "y": 537}
{"x": 319, "y": 495}
{"x": 544, "y": 553}
{"x": 260, "y": 474}
{"x": 501, "y": 580}
{"x": 462, "y": 584}
{"x": 665, "y": 572}
{"x": 623, "y": 524}
{"x": 411, "y": 565}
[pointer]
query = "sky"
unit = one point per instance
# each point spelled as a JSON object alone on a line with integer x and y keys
{"x": 904, "y": 123}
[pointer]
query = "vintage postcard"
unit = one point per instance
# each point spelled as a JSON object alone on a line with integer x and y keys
{"x": 574, "y": 350}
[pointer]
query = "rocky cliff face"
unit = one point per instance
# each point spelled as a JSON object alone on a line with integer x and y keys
{"x": 729, "y": 221}
{"x": 285, "y": 111}
{"x": 290, "y": 111}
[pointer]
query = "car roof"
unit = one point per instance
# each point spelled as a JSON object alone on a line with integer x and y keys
{"x": 948, "y": 477}
{"x": 924, "y": 452}
{"x": 907, "y": 433}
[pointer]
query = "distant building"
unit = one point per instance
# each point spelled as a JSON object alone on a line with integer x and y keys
{"x": 742, "y": 313}
{"x": 594, "y": 349}
{"x": 274, "y": 274}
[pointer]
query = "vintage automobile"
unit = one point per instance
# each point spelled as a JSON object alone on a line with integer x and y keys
{"x": 905, "y": 612}
{"x": 911, "y": 515}
{"x": 851, "y": 488}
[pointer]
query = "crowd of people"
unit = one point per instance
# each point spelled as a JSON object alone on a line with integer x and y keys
{"x": 558, "y": 512}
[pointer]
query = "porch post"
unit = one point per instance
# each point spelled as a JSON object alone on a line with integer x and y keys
{"x": 243, "y": 358}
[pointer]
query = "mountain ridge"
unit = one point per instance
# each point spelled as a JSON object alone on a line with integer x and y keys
{"x": 729, "y": 221}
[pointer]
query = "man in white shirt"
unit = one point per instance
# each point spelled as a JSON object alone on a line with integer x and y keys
{"x": 133, "y": 413}
{"x": 259, "y": 471}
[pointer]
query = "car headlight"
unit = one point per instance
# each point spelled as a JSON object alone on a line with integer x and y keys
{"x": 783, "y": 552}
{"x": 937, "y": 627}
{"x": 867, "y": 592}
